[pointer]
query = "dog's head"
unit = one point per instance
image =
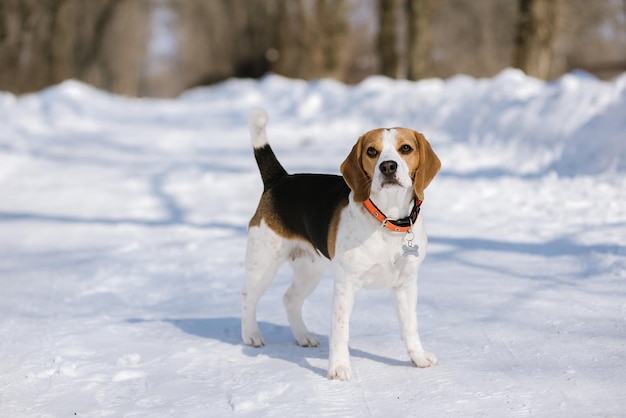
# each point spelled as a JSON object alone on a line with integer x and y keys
{"x": 396, "y": 157}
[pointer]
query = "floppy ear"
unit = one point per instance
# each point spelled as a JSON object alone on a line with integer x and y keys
{"x": 428, "y": 167}
{"x": 356, "y": 178}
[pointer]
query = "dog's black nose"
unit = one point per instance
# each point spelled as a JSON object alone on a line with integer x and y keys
{"x": 388, "y": 168}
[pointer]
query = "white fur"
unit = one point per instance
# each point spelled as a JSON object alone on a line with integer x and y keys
{"x": 258, "y": 121}
{"x": 366, "y": 256}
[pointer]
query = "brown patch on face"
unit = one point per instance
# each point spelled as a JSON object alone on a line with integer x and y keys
{"x": 425, "y": 161}
{"x": 358, "y": 168}
{"x": 408, "y": 148}
{"x": 372, "y": 147}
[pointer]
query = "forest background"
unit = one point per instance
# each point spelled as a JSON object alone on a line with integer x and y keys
{"x": 160, "y": 48}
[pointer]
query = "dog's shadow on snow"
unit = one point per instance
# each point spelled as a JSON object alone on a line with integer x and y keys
{"x": 280, "y": 343}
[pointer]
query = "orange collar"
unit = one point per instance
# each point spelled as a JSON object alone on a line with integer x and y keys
{"x": 395, "y": 225}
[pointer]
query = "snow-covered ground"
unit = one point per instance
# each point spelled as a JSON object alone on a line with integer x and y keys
{"x": 122, "y": 235}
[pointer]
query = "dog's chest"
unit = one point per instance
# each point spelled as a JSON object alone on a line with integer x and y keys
{"x": 375, "y": 258}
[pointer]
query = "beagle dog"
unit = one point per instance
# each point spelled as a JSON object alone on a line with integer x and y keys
{"x": 365, "y": 224}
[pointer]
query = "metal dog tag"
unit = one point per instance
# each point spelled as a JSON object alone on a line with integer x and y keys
{"x": 412, "y": 249}
{"x": 409, "y": 248}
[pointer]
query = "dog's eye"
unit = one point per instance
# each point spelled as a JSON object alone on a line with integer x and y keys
{"x": 372, "y": 152}
{"x": 406, "y": 149}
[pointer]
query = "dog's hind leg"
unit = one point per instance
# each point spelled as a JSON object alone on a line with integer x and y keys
{"x": 264, "y": 254}
{"x": 308, "y": 268}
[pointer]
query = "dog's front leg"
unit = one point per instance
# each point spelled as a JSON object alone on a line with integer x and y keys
{"x": 339, "y": 353}
{"x": 406, "y": 304}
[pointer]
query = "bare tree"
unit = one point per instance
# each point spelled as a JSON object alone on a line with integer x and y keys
{"x": 254, "y": 56}
{"x": 292, "y": 39}
{"x": 472, "y": 37}
{"x": 419, "y": 45}
{"x": 592, "y": 37}
{"x": 534, "y": 40}
{"x": 388, "y": 40}
{"x": 46, "y": 42}
{"x": 404, "y": 38}
{"x": 332, "y": 22}
{"x": 310, "y": 38}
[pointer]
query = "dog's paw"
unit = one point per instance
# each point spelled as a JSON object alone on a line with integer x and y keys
{"x": 253, "y": 339}
{"x": 423, "y": 359}
{"x": 307, "y": 340}
{"x": 339, "y": 372}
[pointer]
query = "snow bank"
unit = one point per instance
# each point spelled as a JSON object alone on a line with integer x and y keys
{"x": 573, "y": 125}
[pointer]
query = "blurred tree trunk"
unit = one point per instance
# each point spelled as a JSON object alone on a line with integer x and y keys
{"x": 27, "y": 45}
{"x": 45, "y": 42}
{"x": 419, "y": 39}
{"x": 291, "y": 38}
{"x": 388, "y": 42}
{"x": 253, "y": 58}
{"x": 331, "y": 17}
{"x": 310, "y": 38}
{"x": 534, "y": 39}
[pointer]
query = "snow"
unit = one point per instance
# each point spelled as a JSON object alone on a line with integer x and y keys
{"x": 123, "y": 226}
